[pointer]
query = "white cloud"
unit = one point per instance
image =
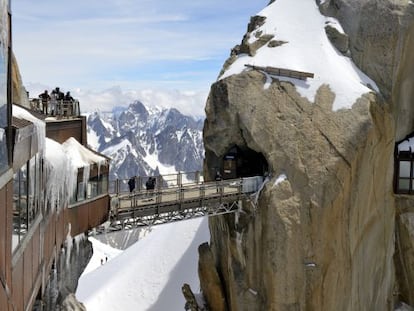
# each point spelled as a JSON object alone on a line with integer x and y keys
{"x": 188, "y": 102}
{"x": 166, "y": 47}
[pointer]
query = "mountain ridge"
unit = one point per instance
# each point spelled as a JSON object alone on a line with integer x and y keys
{"x": 145, "y": 141}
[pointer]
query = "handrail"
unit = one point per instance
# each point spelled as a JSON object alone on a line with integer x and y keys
{"x": 120, "y": 186}
{"x": 54, "y": 107}
{"x": 220, "y": 190}
{"x": 168, "y": 204}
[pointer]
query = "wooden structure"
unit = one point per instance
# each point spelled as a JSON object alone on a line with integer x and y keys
{"x": 301, "y": 75}
{"x": 62, "y": 129}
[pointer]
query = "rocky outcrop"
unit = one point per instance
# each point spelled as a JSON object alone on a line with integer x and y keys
{"x": 63, "y": 280}
{"x": 380, "y": 41}
{"x": 306, "y": 245}
{"x": 250, "y": 48}
{"x": 332, "y": 236}
{"x": 210, "y": 280}
{"x": 72, "y": 304}
{"x": 338, "y": 39}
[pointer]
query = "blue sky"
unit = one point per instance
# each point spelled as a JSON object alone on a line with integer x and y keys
{"x": 91, "y": 47}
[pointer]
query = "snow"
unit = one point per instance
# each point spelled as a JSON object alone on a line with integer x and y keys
{"x": 61, "y": 174}
{"x": 124, "y": 144}
{"x": 81, "y": 156}
{"x": 153, "y": 161}
{"x": 279, "y": 179}
{"x": 62, "y": 163}
{"x": 93, "y": 139}
{"x": 40, "y": 126}
{"x": 308, "y": 49}
{"x": 149, "y": 274}
{"x": 102, "y": 253}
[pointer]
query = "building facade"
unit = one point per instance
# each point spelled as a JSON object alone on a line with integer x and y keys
{"x": 43, "y": 203}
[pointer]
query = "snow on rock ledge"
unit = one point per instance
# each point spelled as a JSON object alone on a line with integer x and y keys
{"x": 301, "y": 27}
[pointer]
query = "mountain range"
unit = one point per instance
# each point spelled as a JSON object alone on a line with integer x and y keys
{"x": 145, "y": 141}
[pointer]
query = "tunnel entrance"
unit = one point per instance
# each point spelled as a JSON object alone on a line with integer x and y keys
{"x": 243, "y": 162}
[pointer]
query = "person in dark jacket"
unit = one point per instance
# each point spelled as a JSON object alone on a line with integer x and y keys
{"x": 68, "y": 97}
{"x": 150, "y": 184}
{"x": 131, "y": 184}
{"x": 44, "y": 97}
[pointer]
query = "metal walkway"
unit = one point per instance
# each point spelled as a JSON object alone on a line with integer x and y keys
{"x": 144, "y": 208}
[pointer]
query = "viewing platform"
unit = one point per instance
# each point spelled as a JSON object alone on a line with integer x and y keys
{"x": 55, "y": 108}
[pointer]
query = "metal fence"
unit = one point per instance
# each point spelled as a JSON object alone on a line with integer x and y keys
{"x": 120, "y": 186}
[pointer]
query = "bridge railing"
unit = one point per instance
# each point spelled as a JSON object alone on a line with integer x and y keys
{"x": 187, "y": 196}
{"x": 120, "y": 186}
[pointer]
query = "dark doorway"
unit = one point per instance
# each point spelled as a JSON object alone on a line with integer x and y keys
{"x": 243, "y": 162}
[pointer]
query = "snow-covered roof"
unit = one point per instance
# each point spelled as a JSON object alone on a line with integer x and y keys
{"x": 308, "y": 49}
{"x": 80, "y": 155}
{"x": 40, "y": 126}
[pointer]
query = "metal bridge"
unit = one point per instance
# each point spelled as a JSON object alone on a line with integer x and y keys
{"x": 168, "y": 203}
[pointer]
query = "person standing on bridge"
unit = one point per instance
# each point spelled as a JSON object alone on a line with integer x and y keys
{"x": 131, "y": 184}
{"x": 150, "y": 184}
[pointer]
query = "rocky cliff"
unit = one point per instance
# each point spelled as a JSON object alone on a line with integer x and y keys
{"x": 330, "y": 234}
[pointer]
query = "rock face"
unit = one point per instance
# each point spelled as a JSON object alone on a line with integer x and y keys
{"x": 324, "y": 238}
{"x": 64, "y": 277}
{"x": 307, "y": 245}
{"x": 381, "y": 41}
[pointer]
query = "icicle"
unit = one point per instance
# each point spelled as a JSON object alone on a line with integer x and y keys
{"x": 69, "y": 246}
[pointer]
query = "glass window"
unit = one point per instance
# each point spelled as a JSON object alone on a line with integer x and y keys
{"x": 404, "y": 169}
{"x": 27, "y": 195}
{"x": 403, "y": 184}
{"x": 81, "y": 191}
{"x": 20, "y": 222}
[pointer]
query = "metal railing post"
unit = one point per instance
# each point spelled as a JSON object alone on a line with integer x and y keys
{"x": 241, "y": 187}
{"x": 181, "y": 194}
{"x": 179, "y": 179}
{"x": 138, "y": 182}
{"x": 158, "y": 196}
{"x": 197, "y": 177}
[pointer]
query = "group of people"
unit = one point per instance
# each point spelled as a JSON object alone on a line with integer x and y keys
{"x": 56, "y": 94}
{"x": 149, "y": 184}
{"x": 50, "y": 101}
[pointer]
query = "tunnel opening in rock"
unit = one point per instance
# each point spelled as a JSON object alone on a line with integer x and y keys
{"x": 243, "y": 162}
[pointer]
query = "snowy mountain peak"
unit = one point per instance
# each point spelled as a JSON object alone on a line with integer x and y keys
{"x": 147, "y": 141}
{"x": 138, "y": 108}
